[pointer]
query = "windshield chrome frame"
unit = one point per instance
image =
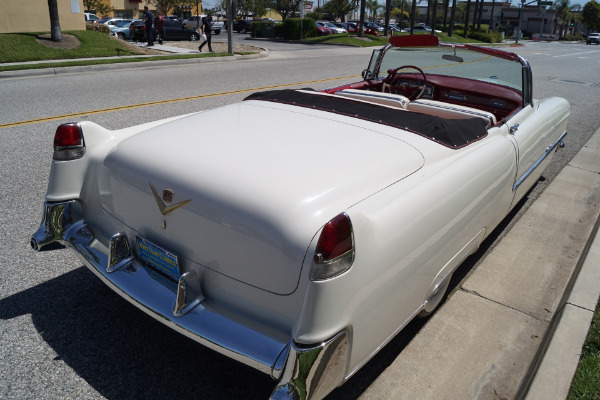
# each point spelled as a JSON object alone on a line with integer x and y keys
{"x": 526, "y": 81}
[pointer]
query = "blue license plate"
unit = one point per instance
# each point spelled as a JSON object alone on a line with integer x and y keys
{"x": 158, "y": 258}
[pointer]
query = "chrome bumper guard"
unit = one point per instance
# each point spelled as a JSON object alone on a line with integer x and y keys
{"x": 303, "y": 372}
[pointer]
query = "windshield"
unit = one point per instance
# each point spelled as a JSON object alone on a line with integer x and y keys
{"x": 445, "y": 61}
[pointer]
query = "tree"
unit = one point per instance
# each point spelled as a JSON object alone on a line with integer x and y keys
{"x": 163, "y": 6}
{"x": 446, "y": 3}
{"x": 256, "y": 8}
{"x": 562, "y": 11}
{"x": 452, "y": 16}
{"x": 340, "y": 8}
{"x": 590, "y": 15}
{"x": 98, "y": 6}
{"x": 55, "y": 33}
{"x": 286, "y": 7}
{"x": 372, "y": 6}
{"x": 399, "y": 15}
{"x": 467, "y": 17}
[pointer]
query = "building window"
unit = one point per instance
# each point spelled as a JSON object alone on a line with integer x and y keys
{"x": 126, "y": 14}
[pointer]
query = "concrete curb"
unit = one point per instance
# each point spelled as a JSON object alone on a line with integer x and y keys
{"x": 559, "y": 357}
{"x": 516, "y": 325}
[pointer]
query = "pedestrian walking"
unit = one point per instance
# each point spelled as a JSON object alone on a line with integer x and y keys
{"x": 159, "y": 24}
{"x": 149, "y": 21}
{"x": 205, "y": 29}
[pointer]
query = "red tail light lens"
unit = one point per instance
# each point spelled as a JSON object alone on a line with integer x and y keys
{"x": 68, "y": 142}
{"x": 334, "y": 253}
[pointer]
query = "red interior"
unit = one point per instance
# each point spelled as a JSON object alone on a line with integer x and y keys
{"x": 499, "y": 100}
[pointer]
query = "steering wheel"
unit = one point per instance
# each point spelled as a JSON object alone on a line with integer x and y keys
{"x": 391, "y": 82}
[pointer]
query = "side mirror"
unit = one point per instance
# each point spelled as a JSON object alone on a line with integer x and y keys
{"x": 367, "y": 74}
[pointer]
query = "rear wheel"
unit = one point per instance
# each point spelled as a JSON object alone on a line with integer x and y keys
{"x": 121, "y": 35}
{"x": 194, "y": 37}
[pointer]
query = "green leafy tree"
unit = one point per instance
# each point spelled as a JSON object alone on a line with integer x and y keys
{"x": 255, "y": 8}
{"x": 340, "y": 8}
{"x": 372, "y": 6}
{"x": 164, "y": 6}
{"x": 55, "y": 32}
{"x": 399, "y": 15}
{"x": 98, "y": 6}
{"x": 590, "y": 15}
{"x": 563, "y": 13}
{"x": 286, "y": 8}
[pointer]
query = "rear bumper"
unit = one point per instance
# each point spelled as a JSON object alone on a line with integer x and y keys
{"x": 181, "y": 306}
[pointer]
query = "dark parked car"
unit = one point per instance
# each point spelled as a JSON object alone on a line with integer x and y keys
{"x": 242, "y": 25}
{"x": 174, "y": 30}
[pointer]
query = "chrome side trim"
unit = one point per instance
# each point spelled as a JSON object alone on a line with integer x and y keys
{"x": 313, "y": 372}
{"x": 159, "y": 297}
{"x": 539, "y": 161}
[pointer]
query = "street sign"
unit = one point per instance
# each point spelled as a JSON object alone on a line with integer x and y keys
{"x": 308, "y": 5}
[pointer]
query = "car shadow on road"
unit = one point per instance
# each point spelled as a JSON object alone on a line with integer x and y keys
{"x": 123, "y": 353}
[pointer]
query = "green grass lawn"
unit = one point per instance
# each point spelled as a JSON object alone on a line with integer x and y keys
{"x": 19, "y": 47}
{"x": 586, "y": 383}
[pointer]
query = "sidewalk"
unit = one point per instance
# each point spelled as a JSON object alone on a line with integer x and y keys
{"x": 516, "y": 326}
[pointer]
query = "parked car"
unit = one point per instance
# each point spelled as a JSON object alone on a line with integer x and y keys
{"x": 421, "y": 28}
{"x": 103, "y": 20}
{"x": 121, "y": 29}
{"x": 369, "y": 24}
{"x": 352, "y": 27}
{"x": 195, "y": 21}
{"x": 242, "y": 25}
{"x": 333, "y": 28}
{"x": 89, "y": 17}
{"x": 303, "y": 264}
{"x": 114, "y": 21}
{"x": 174, "y": 30}
{"x": 593, "y": 38}
{"x": 322, "y": 30}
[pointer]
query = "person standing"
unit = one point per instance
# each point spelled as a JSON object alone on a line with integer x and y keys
{"x": 205, "y": 29}
{"x": 149, "y": 21}
{"x": 159, "y": 24}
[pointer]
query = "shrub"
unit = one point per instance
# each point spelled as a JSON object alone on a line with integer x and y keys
{"x": 293, "y": 26}
{"x": 573, "y": 38}
{"x": 91, "y": 26}
{"x": 492, "y": 37}
{"x": 262, "y": 29}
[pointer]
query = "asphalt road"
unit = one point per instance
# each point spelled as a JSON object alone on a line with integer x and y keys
{"x": 64, "y": 334}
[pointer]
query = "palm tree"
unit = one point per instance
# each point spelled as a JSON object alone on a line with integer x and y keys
{"x": 55, "y": 33}
{"x": 452, "y": 16}
{"x": 562, "y": 10}
{"x": 467, "y": 17}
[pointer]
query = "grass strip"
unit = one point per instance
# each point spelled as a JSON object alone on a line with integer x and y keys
{"x": 586, "y": 383}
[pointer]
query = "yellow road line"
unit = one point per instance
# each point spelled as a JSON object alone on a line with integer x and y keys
{"x": 155, "y": 103}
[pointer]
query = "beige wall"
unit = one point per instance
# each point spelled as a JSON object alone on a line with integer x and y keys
{"x": 33, "y": 16}
{"x": 135, "y": 10}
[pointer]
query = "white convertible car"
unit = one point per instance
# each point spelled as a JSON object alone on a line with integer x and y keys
{"x": 303, "y": 246}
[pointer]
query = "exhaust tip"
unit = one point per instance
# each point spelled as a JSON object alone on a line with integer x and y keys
{"x": 34, "y": 244}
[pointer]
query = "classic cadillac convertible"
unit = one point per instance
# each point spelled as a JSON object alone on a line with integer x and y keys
{"x": 301, "y": 248}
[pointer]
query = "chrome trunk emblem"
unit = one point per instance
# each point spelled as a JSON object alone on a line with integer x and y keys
{"x": 167, "y": 197}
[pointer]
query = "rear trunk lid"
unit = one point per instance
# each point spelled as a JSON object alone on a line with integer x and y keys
{"x": 250, "y": 185}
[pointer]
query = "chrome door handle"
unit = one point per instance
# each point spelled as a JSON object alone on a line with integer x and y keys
{"x": 513, "y": 129}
